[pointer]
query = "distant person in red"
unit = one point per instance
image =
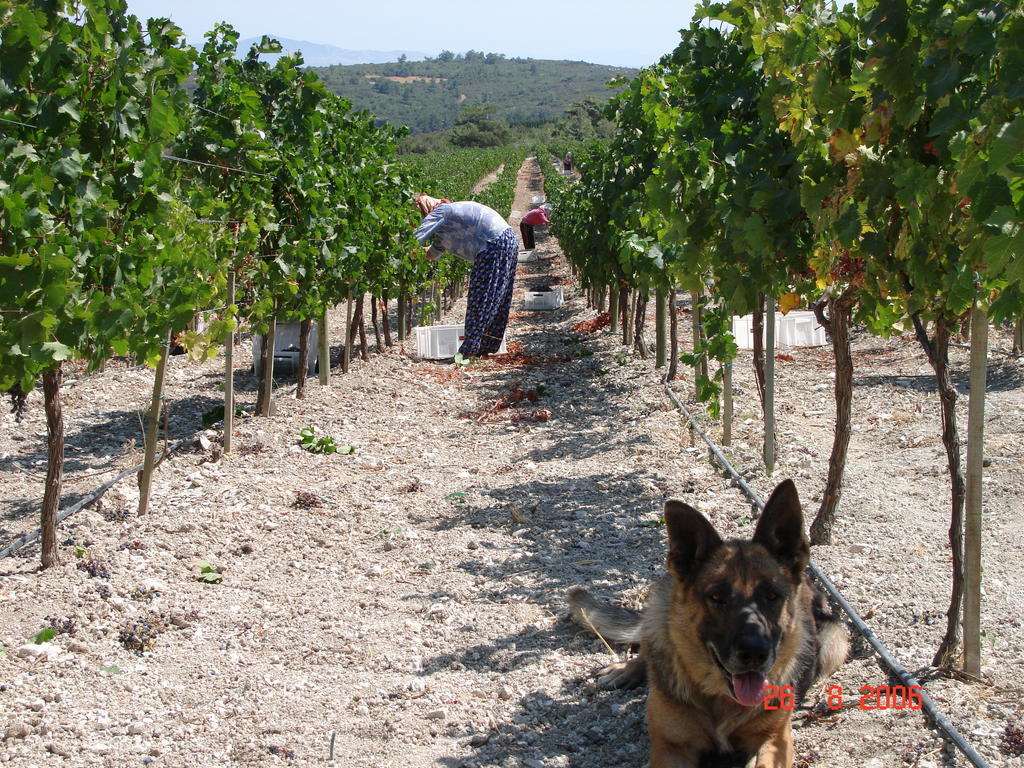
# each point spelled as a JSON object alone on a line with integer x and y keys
{"x": 534, "y": 218}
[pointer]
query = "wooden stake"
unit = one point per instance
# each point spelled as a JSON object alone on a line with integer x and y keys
{"x": 769, "y": 388}
{"x": 757, "y": 328}
{"x": 402, "y": 315}
{"x": 264, "y": 406}
{"x": 628, "y": 305}
{"x": 324, "y": 354}
{"x": 973, "y": 500}
{"x": 360, "y": 323}
{"x": 375, "y": 322}
{"x": 300, "y": 387}
{"x": 152, "y": 424}
{"x": 696, "y": 328}
{"x": 660, "y": 327}
{"x": 727, "y": 403}
{"x": 229, "y": 372}
{"x": 673, "y": 325}
{"x": 385, "y": 320}
{"x": 613, "y": 309}
{"x": 346, "y": 357}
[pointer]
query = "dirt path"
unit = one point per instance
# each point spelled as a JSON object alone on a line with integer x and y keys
{"x": 486, "y": 181}
{"x": 404, "y": 605}
{"x": 529, "y": 187}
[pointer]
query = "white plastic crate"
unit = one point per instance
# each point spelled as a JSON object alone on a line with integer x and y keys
{"x": 796, "y": 329}
{"x": 286, "y": 347}
{"x": 801, "y": 329}
{"x": 527, "y": 256}
{"x": 550, "y": 299}
{"x": 742, "y": 331}
{"x": 434, "y": 342}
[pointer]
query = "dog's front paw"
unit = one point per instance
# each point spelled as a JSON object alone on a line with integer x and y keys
{"x": 623, "y": 674}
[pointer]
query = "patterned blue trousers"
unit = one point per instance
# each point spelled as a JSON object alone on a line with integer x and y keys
{"x": 490, "y": 295}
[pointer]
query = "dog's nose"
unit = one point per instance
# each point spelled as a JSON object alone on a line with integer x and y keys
{"x": 753, "y": 650}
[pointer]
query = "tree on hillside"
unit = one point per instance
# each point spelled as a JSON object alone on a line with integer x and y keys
{"x": 477, "y": 126}
{"x": 584, "y": 121}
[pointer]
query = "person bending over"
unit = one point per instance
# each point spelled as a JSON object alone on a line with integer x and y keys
{"x": 532, "y": 219}
{"x": 481, "y": 236}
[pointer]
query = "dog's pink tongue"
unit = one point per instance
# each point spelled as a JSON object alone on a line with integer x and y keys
{"x": 748, "y": 688}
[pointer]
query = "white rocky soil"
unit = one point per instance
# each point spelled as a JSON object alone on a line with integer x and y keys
{"x": 403, "y": 605}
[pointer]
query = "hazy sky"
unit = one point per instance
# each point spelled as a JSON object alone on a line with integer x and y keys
{"x": 632, "y": 33}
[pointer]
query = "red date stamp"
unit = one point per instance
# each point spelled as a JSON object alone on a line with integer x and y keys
{"x": 878, "y": 697}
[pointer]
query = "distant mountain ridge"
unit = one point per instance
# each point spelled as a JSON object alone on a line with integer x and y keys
{"x": 321, "y": 55}
{"x": 429, "y": 95}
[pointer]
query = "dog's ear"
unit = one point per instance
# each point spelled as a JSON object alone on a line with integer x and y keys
{"x": 691, "y": 538}
{"x": 781, "y": 528}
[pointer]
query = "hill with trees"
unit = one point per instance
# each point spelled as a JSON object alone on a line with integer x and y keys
{"x": 431, "y": 95}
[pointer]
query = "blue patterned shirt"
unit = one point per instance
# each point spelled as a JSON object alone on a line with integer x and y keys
{"x": 462, "y": 229}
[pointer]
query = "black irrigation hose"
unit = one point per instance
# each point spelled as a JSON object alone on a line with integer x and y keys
{"x": 928, "y": 704}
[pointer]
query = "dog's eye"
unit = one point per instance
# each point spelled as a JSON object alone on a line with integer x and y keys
{"x": 772, "y": 596}
{"x": 717, "y": 598}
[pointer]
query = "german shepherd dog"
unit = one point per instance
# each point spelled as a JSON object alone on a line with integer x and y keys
{"x": 729, "y": 619}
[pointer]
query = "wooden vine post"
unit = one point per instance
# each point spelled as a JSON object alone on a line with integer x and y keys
{"x": 229, "y": 371}
{"x": 660, "y": 329}
{"x": 628, "y": 309}
{"x": 152, "y": 425}
{"x": 613, "y": 309}
{"x": 700, "y": 365}
{"x": 324, "y": 353}
{"x": 300, "y": 388}
{"x": 346, "y": 357}
{"x": 973, "y": 500}
{"x": 360, "y": 325}
{"x": 769, "y": 388}
{"x": 727, "y": 403}
{"x": 403, "y": 299}
{"x": 263, "y": 407}
{"x": 624, "y": 309}
{"x": 757, "y": 329}
{"x": 385, "y": 320}
{"x": 673, "y": 325}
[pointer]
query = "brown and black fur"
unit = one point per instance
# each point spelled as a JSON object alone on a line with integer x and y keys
{"x": 726, "y": 617}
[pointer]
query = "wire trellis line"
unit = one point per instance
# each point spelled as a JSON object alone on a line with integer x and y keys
{"x": 218, "y": 167}
{"x": 17, "y": 122}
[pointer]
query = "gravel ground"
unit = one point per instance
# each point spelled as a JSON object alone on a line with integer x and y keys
{"x": 403, "y": 605}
